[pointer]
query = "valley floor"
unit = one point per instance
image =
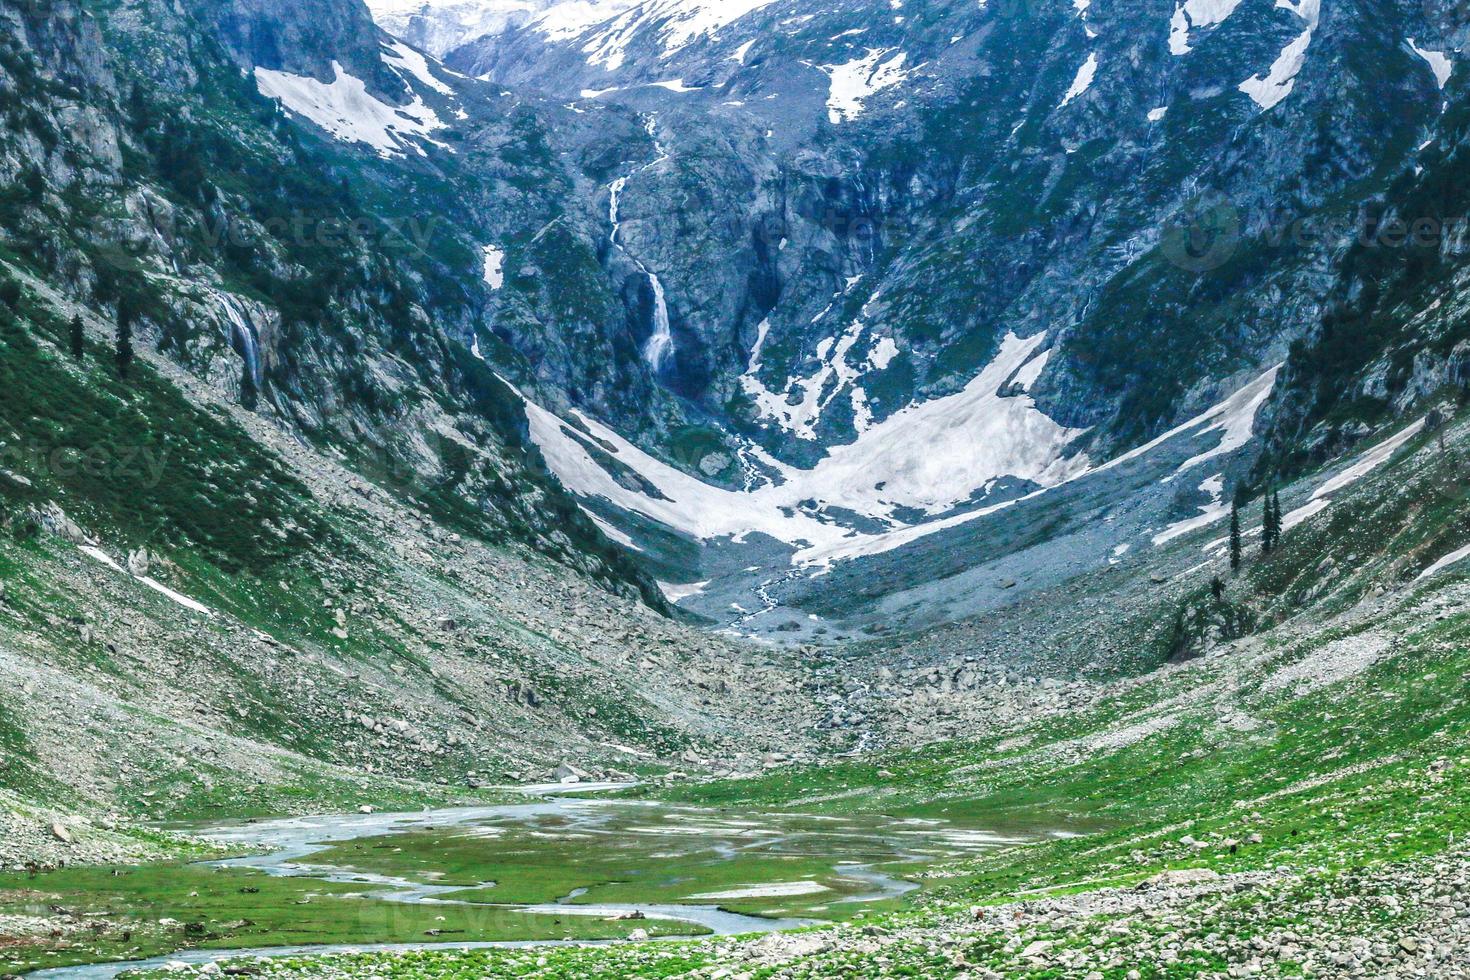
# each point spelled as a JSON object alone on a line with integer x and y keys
{"x": 1284, "y": 806}
{"x": 1283, "y": 796}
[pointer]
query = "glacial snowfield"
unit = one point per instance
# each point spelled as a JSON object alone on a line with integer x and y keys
{"x": 981, "y": 456}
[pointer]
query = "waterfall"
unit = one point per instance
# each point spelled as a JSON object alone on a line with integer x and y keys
{"x": 242, "y": 335}
{"x": 660, "y": 344}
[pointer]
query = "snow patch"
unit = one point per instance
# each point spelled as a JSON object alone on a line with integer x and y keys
{"x": 859, "y": 79}
{"x": 677, "y": 85}
{"x": 98, "y": 555}
{"x": 1268, "y": 90}
{"x": 1438, "y": 62}
{"x": 415, "y": 65}
{"x": 493, "y": 268}
{"x": 882, "y": 354}
{"x": 1196, "y": 15}
{"x": 1211, "y": 512}
{"x": 1458, "y": 555}
{"x": 1369, "y": 462}
{"x": 678, "y": 593}
{"x": 676, "y": 23}
{"x": 345, "y": 110}
{"x": 1082, "y": 82}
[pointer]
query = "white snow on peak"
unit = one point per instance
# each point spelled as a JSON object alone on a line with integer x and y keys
{"x": 855, "y": 81}
{"x": 345, "y": 110}
{"x": 1268, "y": 90}
{"x": 494, "y": 266}
{"x": 1438, "y": 62}
{"x": 440, "y": 26}
{"x": 1196, "y": 15}
{"x": 1082, "y": 82}
{"x": 678, "y": 24}
{"x": 416, "y": 65}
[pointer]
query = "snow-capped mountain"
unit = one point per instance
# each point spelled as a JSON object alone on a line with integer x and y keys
{"x": 440, "y": 26}
{"x": 790, "y": 295}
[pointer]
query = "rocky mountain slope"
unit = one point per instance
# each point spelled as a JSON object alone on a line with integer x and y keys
{"x": 912, "y": 265}
{"x": 296, "y": 548}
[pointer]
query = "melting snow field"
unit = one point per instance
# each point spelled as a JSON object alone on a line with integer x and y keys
{"x": 345, "y": 109}
{"x": 927, "y": 459}
{"x": 1278, "y": 82}
{"x": 859, "y": 79}
{"x": 494, "y": 267}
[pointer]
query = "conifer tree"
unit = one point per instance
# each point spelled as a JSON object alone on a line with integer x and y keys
{"x": 124, "y": 338}
{"x": 1271, "y": 522}
{"x": 1235, "y": 535}
{"x": 78, "y": 338}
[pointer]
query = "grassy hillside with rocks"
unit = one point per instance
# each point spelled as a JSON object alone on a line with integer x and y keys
{"x": 1282, "y": 803}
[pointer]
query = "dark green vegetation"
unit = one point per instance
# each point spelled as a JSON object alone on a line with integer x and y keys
{"x": 134, "y": 458}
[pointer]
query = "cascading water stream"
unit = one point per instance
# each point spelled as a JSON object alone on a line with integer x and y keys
{"x": 660, "y": 344}
{"x": 242, "y": 336}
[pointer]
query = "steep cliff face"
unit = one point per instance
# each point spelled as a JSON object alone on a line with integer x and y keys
{"x": 1036, "y": 168}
